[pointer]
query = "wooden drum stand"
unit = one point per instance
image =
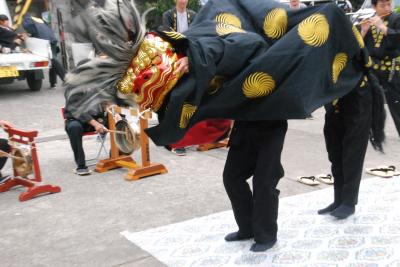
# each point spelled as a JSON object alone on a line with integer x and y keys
{"x": 34, "y": 185}
{"x": 118, "y": 160}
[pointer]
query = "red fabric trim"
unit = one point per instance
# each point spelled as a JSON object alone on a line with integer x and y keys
{"x": 205, "y": 132}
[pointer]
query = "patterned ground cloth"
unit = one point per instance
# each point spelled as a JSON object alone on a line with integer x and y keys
{"x": 369, "y": 238}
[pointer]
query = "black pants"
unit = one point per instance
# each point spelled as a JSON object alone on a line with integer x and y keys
{"x": 56, "y": 68}
{"x": 346, "y": 137}
{"x": 4, "y": 147}
{"x": 255, "y": 150}
{"x": 75, "y": 130}
{"x": 392, "y": 93}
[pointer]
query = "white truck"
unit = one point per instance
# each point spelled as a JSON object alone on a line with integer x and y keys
{"x": 27, "y": 65}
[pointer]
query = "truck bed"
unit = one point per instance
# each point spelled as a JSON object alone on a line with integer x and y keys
{"x": 24, "y": 61}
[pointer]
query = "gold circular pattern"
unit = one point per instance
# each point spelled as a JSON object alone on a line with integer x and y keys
{"x": 258, "y": 84}
{"x": 358, "y": 36}
{"x": 175, "y": 35}
{"x": 275, "y": 23}
{"x": 188, "y": 111}
{"x": 224, "y": 29}
{"x": 339, "y": 63}
{"x": 227, "y": 18}
{"x": 228, "y": 23}
{"x": 314, "y": 30}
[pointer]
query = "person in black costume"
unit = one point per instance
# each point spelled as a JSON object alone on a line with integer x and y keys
{"x": 382, "y": 39}
{"x": 178, "y": 18}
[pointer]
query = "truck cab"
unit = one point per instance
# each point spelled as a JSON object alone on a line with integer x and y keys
{"x": 28, "y": 63}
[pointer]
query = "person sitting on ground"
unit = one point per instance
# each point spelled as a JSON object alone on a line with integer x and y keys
{"x": 8, "y": 37}
{"x": 4, "y": 150}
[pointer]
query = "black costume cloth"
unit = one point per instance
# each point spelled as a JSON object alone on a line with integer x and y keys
{"x": 302, "y": 73}
{"x": 384, "y": 51}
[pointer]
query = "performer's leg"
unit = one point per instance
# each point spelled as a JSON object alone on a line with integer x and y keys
{"x": 239, "y": 166}
{"x": 333, "y": 133}
{"x": 6, "y": 148}
{"x": 56, "y": 68}
{"x": 357, "y": 115}
{"x": 269, "y": 143}
{"x": 393, "y": 100}
{"x": 74, "y": 130}
{"x": 59, "y": 69}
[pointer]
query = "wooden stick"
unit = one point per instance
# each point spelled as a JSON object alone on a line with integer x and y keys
{"x": 118, "y": 132}
{"x": 8, "y": 155}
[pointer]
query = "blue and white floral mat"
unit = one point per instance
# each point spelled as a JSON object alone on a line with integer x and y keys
{"x": 369, "y": 238}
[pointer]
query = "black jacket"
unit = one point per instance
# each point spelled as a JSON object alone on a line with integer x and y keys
{"x": 383, "y": 46}
{"x": 169, "y": 19}
{"x": 7, "y": 37}
{"x": 384, "y": 49}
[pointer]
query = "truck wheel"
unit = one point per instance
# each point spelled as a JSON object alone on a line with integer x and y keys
{"x": 34, "y": 83}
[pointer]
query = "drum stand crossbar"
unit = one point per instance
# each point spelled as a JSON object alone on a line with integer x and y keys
{"x": 118, "y": 160}
{"x": 34, "y": 185}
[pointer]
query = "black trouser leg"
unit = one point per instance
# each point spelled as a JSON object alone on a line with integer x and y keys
{"x": 357, "y": 123}
{"x": 59, "y": 69}
{"x": 346, "y": 135}
{"x": 75, "y": 131}
{"x": 392, "y": 93}
{"x": 258, "y": 153}
{"x": 52, "y": 75}
{"x": 268, "y": 171}
{"x": 56, "y": 68}
{"x": 333, "y": 133}
{"x": 239, "y": 167}
{"x": 4, "y": 147}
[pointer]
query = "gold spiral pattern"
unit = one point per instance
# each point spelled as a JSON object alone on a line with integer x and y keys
{"x": 227, "y": 18}
{"x": 358, "y": 36}
{"x": 228, "y": 23}
{"x": 275, "y": 23}
{"x": 188, "y": 111}
{"x": 339, "y": 63}
{"x": 224, "y": 29}
{"x": 175, "y": 35}
{"x": 314, "y": 30}
{"x": 258, "y": 84}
